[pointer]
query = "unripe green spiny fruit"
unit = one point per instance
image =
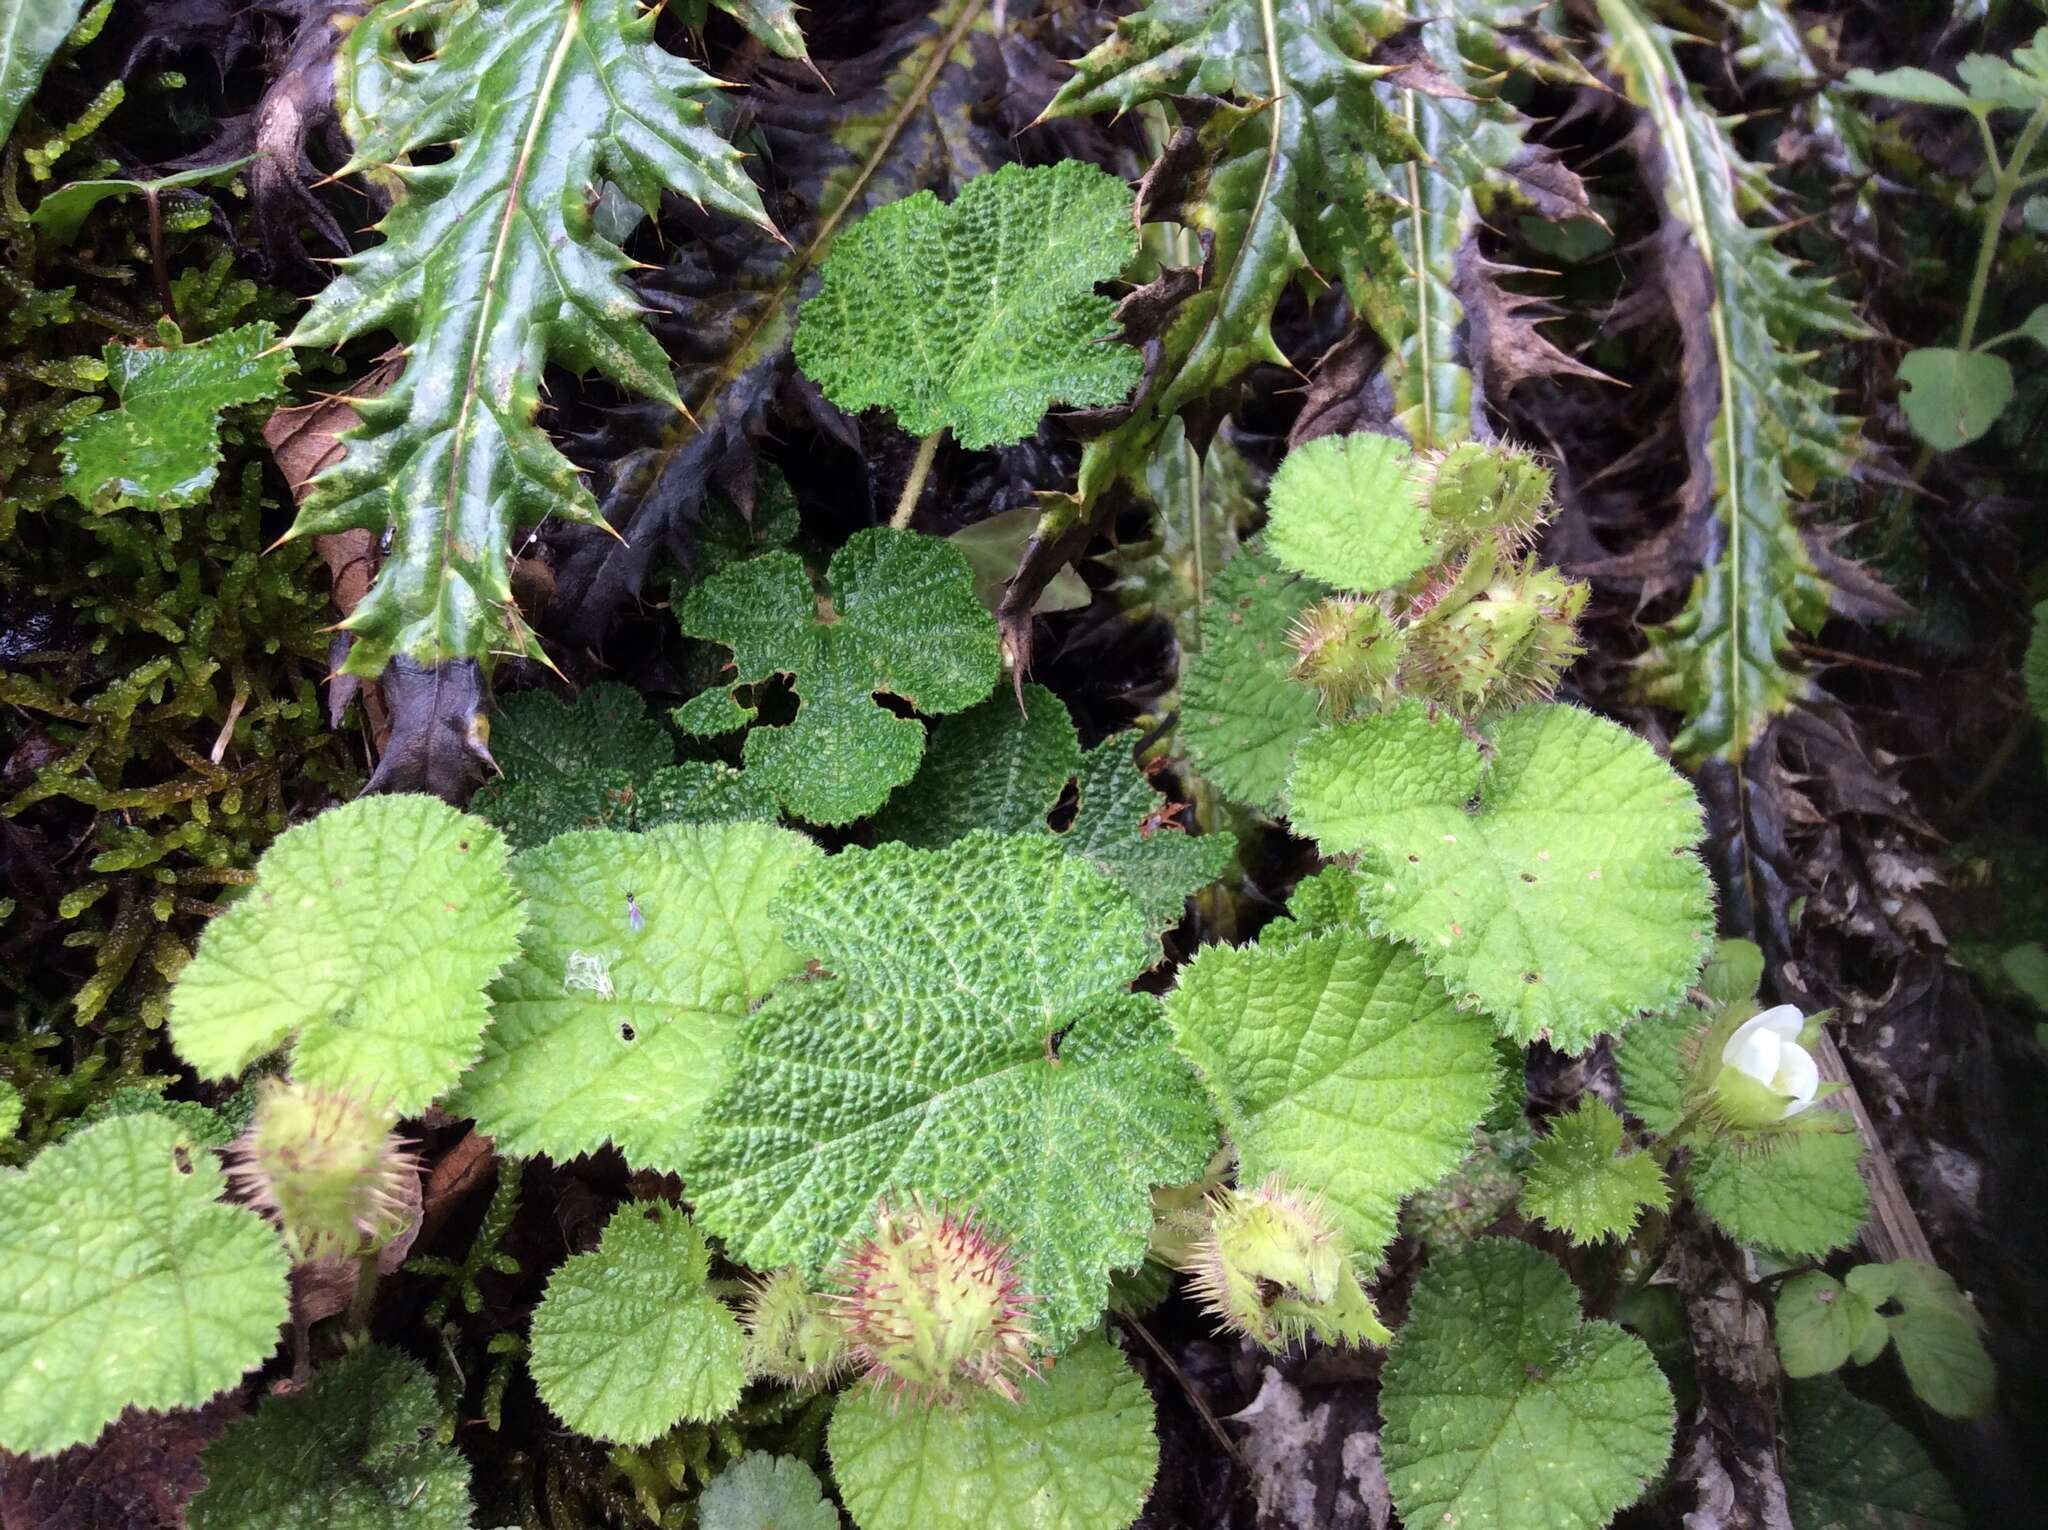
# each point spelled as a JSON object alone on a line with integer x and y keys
{"x": 1274, "y": 1268}
{"x": 1474, "y": 491}
{"x": 327, "y": 1167}
{"x": 932, "y": 1304}
{"x": 1349, "y": 650}
{"x": 794, "y": 1334}
{"x": 1508, "y": 644}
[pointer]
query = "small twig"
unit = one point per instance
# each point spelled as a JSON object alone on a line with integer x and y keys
{"x": 913, "y": 486}
{"x": 1194, "y": 1398}
{"x": 159, "y": 267}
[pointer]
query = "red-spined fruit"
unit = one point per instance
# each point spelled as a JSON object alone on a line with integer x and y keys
{"x": 931, "y": 1303}
{"x": 327, "y": 1168}
{"x": 794, "y": 1334}
{"x": 1274, "y": 1268}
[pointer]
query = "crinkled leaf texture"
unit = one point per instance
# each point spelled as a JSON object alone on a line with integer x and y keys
{"x": 490, "y": 268}
{"x": 125, "y": 1282}
{"x": 976, "y": 1043}
{"x": 764, "y": 1492}
{"x": 1117, "y": 828}
{"x": 981, "y": 314}
{"x": 900, "y": 619}
{"x": 161, "y": 448}
{"x": 1346, "y": 511}
{"x": 1504, "y": 1409}
{"x": 1564, "y": 901}
{"x": 1585, "y": 1184}
{"x": 1655, "y": 1057}
{"x": 1077, "y": 1453}
{"x": 356, "y": 1450}
{"x": 609, "y": 1030}
{"x": 1242, "y": 715}
{"x": 1794, "y": 1189}
{"x": 626, "y": 1340}
{"x": 1850, "y": 1466}
{"x": 1339, "y": 1064}
{"x": 369, "y": 938}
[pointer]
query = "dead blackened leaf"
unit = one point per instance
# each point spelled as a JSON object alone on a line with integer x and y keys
{"x": 1504, "y": 346}
{"x": 137, "y": 1476}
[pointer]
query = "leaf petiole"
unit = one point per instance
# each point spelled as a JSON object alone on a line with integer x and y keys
{"x": 913, "y": 486}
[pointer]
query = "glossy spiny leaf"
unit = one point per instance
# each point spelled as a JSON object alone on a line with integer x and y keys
{"x": 899, "y": 619}
{"x": 30, "y": 34}
{"x": 310, "y": 956}
{"x": 161, "y": 448}
{"x": 645, "y": 953}
{"x": 1078, "y": 1453}
{"x": 1504, "y": 1408}
{"x": 980, "y": 314}
{"x": 126, "y": 1282}
{"x": 627, "y": 1341}
{"x": 1565, "y": 902}
{"x": 764, "y": 1492}
{"x": 490, "y": 268}
{"x": 976, "y": 1043}
{"x": 1584, "y": 1184}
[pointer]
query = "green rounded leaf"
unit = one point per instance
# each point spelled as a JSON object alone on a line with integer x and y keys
{"x": 1850, "y": 1466}
{"x": 1953, "y": 397}
{"x": 1077, "y": 1453}
{"x": 764, "y": 1492}
{"x": 1338, "y": 1063}
{"x": 612, "y": 1030}
{"x": 1795, "y": 1190}
{"x": 976, "y": 1043}
{"x": 1345, "y": 510}
{"x": 1504, "y": 1409}
{"x": 1582, "y": 1181}
{"x": 981, "y": 314}
{"x": 627, "y": 1342}
{"x": 1820, "y": 1323}
{"x": 359, "y": 1449}
{"x": 1556, "y": 888}
{"x": 125, "y": 1282}
{"x": 1940, "y": 1339}
{"x": 1000, "y": 765}
{"x": 369, "y": 938}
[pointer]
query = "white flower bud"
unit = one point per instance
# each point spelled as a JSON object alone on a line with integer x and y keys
{"x": 1765, "y": 1052}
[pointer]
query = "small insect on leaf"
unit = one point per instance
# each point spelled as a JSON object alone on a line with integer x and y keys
{"x": 634, "y": 918}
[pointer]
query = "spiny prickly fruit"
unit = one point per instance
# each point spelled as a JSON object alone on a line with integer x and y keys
{"x": 1349, "y": 650}
{"x": 1509, "y": 644}
{"x": 1476, "y": 490}
{"x": 794, "y": 1334}
{"x": 1274, "y": 1269}
{"x": 327, "y": 1167}
{"x": 932, "y": 1303}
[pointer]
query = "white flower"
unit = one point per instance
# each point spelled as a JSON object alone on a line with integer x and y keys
{"x": 1766, "y": 1048}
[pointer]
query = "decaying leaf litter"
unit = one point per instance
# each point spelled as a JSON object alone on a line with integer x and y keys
{"x": 1666, "y": 254}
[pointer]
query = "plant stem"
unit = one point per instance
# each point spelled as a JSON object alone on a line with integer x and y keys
{"x": 2006, "y": 182}
{"x": 366, "y": 1293}
{"x": 913, "y": 486}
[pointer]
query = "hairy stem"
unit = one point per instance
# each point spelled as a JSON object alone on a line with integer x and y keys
{"x": 913, "y": 486}
{"x": 2006, "y": 182}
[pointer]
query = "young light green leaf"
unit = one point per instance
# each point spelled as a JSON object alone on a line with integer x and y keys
{"x": 764, "y": 1492}
{"x": 977, "y": 1044}
{"x": 1567, "y": 901}
{"x": 1346, "y": 510}
{"x": 491, "y": 267}
{"x": 1938, "y": 1332}
{"x": 1850, "y": 1466}
{"x": 161, "y": 447}
{"x": 1241, "y": 713}
{"x": 31, "y": 31}
{"x": 1337, "y": 1063}
{"x": 900, "y": 619}
{"x": 1820, "y": 1323}
{"x": 10, "y": 1109}
{"x": 980, "y": 315}
{"x": 995, "y": 766}
{"x": 1585, "y": 1184}
{"x": 368, "y": 940}
{"x": 1504, "y": 1409}
{"x": 1117, "y": 827}
{"x": 1795, "y": 1189}
{"x": 645, "y": 953}
{"x": 626, "y": 1340}
{"x": 61, "y": 212}
{"x": 125, "y": 1282}
{"x": 1953, "y": 397}
{"x": 1078, "y": 1453}
{"x": 359, "y": 1449}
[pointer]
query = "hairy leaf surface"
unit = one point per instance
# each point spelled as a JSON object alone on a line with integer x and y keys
{"x": 764, "y": 1492}
{"x": 1345, "y": 510}
{"x": 976, "y": 1043}
{"x": 1795, "y": 1190}
{"x": 1849, "y": 1465}
{"x": 1585, "y": 1184}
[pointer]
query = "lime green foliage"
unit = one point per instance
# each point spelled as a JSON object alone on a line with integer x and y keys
{"x": 606, "y": 1030}
{"x": 1339, "y": 1064}
{"x": 1850, "y": 1466}
{"x": 1794, "y": 1189}
{"x": 490, "y": 267}
{"x": 1760, "y": 441}
{"x": 125, "y": 1282}
{"x": 996, "y": 767}
{"x": 1550, "y": 1420}
{"x": 10, "y": 1109}
{"x": 1345, "y": 510}
{"x": 162, "y": 446}
{"x": 980, "y": 315}
{"x": 976, "y": 1043}
{"x": 600, "y": 762}
{"x": 1273, "y": 1266}
{"x": 899, "y": 617}
{"x": 794, "y": 1334}
{"x": 1585, "y": 1184}
{"x": 764, "y": 1492}
{"x": 626, "y": 1341}
{"x": 1078, "y": 1453}
{"x": 30, "y": 34}
{"x": 309, "y": 954}
{"x": 356, "y": 1450}
{"x": 328, "y": 1169}
{"x": 1820, "y": 1323}
{"x": 1242, "y": 712}
{"x": 1564, "y": 903}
